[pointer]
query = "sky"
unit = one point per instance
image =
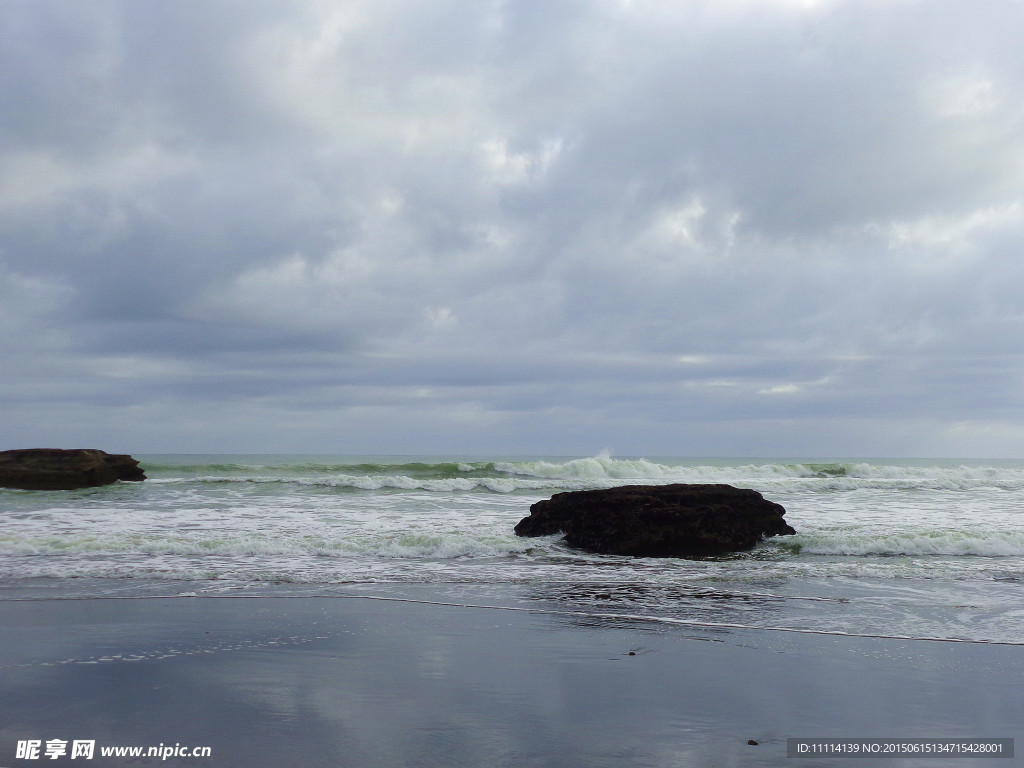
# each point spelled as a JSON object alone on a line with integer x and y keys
{"x": 547, "y": 227}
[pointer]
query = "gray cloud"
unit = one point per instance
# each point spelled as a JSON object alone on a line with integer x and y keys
{"x": 728, "y": 228}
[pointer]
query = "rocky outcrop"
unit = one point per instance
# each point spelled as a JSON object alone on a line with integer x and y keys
{"x": 679, "y": 520}
{"x": 56, "y": 469}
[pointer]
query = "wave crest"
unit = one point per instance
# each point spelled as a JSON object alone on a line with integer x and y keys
{"x": 600, "y": 471}
{"x": 923, "y": 543}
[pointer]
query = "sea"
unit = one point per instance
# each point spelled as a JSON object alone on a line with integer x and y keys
{"x": 923, "y": 549}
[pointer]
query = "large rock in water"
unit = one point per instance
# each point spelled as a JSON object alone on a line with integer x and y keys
{"x": 658, "y": 520}
{"x": 56, "y": 469}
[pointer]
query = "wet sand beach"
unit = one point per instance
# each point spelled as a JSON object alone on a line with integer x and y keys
{"x": 357, "y": 681}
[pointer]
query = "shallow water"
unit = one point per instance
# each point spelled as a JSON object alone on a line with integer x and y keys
{"x": 906, "y": 549}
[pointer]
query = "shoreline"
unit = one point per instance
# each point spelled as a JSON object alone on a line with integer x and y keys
{"x": 613, "y": 618}
{"x": 356, "y": 680}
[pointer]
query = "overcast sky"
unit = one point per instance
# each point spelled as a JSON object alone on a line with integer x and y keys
{"x": 729, "y": 228}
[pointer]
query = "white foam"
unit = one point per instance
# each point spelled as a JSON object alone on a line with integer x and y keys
{"x": 276, "y": 544}
{"x": 601, "y": 466}
{"x": 955, "y": 543}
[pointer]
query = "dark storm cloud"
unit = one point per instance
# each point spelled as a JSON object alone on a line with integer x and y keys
{"x": 514, "y": 226}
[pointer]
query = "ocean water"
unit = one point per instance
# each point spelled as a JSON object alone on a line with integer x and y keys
{"x": 918, "y": 549}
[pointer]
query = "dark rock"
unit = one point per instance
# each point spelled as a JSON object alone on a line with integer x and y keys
{"x": 751, "y": 743}
{"x": 658, "y": 520}
{"x": 56, "y": 469}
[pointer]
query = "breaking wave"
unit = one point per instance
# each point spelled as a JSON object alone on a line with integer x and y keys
{"x": 922, "y": 543}
{"x": 600, "y": 471}
{"x": 386, "y": 544}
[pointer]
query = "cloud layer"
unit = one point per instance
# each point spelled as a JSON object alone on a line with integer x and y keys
{"x": 732, "y": 228}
